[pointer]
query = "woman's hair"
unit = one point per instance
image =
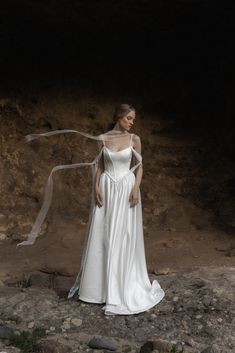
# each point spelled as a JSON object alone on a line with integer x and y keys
{"x": 119, "y": 112}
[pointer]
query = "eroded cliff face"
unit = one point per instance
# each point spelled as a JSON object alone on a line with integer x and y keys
{"x": 187, "y": 185}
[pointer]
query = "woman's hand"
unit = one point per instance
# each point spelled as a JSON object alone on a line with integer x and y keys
{"x": 134, "y": 197}
{"x": 98, "y": 198}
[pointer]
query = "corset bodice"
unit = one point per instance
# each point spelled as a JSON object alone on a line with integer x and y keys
{"x": 117, "y": 164}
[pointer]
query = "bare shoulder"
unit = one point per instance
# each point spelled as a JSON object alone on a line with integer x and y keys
{"x": 136, "y": 139}
{"x": 136, "y": 143}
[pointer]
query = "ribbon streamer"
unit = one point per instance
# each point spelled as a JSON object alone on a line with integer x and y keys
{"x": 49, "y": 186}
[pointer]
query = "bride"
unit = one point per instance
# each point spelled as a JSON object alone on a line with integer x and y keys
{"x": 113, "y": 268}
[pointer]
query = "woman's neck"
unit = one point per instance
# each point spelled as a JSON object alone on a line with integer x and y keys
{"x": 118, "y": 128}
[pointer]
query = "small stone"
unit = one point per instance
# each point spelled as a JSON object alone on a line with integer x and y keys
{"x": 185, "y": 325}
{"x": 190, "y": 342}
{"x": 76, "y": 322}
{"x": 39, "y": 279}
{"x": 2, "y": 236}
{"x": 207, "y": 301}
{"x": 52, "y": 328}
{"x": 175, "y": 299}
{"x": 161, "y": 271}
{"x": 103, "y": 343}
{"x": 198, "y": 316}
{"x": 162, "y": 346}
{"x": 66, "y": 324}
{"x": 156, "y": 346}
{"x": 6, "y": 332}
{"x": 31, "y": 324}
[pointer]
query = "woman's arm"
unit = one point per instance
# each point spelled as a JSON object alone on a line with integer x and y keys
{"x": 134, "y": 196}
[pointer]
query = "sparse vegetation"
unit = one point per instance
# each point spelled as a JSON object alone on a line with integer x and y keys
{"x": 27, "y": 341}
{"x": 174, "y": 349}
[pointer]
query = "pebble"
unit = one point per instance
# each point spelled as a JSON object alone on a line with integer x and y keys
{"x": 76, "y": 322}
{"x": 198, "y": 316}
{"x": 103, "y": 343}
{"x": 156, "y": 345}
{"x": 31, "y": 324}
{"x": 3, "y": 236}
{"x": 66, "y": 325}
{"x": 190, "y": 342}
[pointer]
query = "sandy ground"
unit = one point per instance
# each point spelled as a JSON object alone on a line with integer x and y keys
{"x": 166, "y": 251}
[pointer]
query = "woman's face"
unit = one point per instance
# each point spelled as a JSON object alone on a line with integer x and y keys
{"x": 127, "y": 121}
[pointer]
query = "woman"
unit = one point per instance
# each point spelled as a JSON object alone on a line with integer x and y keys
{"x": 113, "y": 269}
{"x": 113, "y": 266}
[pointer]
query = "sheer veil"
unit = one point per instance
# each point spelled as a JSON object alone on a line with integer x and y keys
{"x": 114, "y": 140}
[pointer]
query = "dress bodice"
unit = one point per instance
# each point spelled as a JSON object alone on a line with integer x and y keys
{"x": 117, "y": 163}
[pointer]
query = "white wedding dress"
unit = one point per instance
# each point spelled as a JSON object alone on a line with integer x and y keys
{"x": 113, "y": 269}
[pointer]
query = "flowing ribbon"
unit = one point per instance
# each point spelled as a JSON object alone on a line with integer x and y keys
{"x": 49, "y": 186}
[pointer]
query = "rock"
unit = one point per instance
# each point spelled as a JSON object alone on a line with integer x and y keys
{"x": 158, "y": 345}
{"x": 31, "y": 324}
{"x": 2, "y": 236}
{"x": 66, "y": 324}
{"x": 6, "y": 332}
{"x": 103, "y": 343}
{"x": 51, "y": 346}
{"x": 160, "y": 271}
{"x": 211, "y": 349}
{"x": 190, "y": 342}
{"x": 189, "y": 319}
{"x": 60, "y": 284}
{"x": 147, "y": 347}
{"x": 39, "y": 279}
{"x": 76, "y": 322}
{"x": 162, "y": 345}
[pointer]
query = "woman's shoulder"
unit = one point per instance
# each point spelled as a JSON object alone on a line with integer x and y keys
{"x": 136, "y": 144}
{"x": 135, "y": 138}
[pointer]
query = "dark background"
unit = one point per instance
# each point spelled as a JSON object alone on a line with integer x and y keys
{"x": 177, "y": 57}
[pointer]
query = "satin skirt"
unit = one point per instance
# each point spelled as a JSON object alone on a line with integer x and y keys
{"x": 114, "y": 269}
